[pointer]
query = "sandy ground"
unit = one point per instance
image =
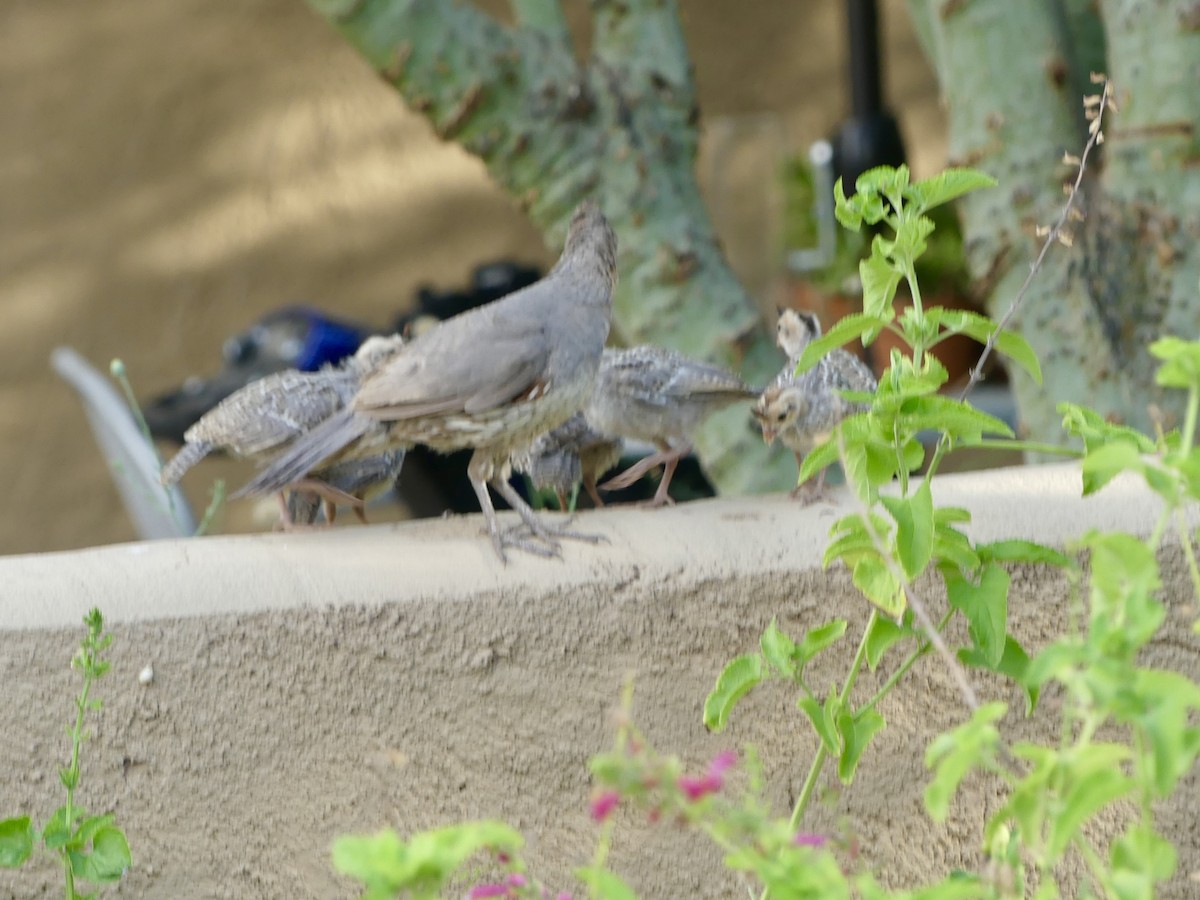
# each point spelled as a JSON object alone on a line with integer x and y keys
{"x": 170, "y": 172}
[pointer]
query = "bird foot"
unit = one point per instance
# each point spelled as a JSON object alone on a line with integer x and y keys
{"x": 807, "y": 494}
{"x": 517, "y": 538}
{"x": 657, "y": 502}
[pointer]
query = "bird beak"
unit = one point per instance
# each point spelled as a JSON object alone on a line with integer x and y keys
{"x": 768, "y": 434}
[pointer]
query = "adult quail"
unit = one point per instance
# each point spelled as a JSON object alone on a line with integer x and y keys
{"x": 267, "y": 414}
{"x": 491, "y": 379}
{"x": 573, "y": 452}
{"x": 803, "y": 410}
{"x": 657, "y": 395}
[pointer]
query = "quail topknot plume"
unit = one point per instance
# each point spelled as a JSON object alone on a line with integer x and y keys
{"x": 572, "y": 453}
{"x": 656, "y": 395}
{"x": 491, "y": 379}
{"x": 803, "y": 410}
{"x": 266, "y": 415}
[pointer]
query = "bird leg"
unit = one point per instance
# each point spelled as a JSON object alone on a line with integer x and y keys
{"x": 668, "y": 457}
{"x": 806, "y": 492}
{"x": 589, "y": 484}
{"x": 548, "y": 534}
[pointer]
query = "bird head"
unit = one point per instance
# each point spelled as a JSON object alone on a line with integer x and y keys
{"x": 777, "y": 408}
{"x": 795, "y": 330}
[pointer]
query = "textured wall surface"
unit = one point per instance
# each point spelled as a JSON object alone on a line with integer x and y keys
{"x": 312, "y": 685}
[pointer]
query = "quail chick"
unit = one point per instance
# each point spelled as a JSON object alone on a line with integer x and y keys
{"x": 491, "y": 379}
{"x": 657, "y": 395}
{"x": 269, "y": 413}
{"x": 363, "y": 479}
{"x": 573, "y": 452}
{"x": 803, "y": 410}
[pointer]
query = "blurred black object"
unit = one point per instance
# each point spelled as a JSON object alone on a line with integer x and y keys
{"x": 871, "y": 136}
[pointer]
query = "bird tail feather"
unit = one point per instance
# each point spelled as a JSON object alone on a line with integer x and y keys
{"x": 307, "y": 452}
{"x": 188, "y": 456}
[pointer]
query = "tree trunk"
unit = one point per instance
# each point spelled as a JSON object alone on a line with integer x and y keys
{"x": 622, "y": 129}
{"x": 1014, "y": 75}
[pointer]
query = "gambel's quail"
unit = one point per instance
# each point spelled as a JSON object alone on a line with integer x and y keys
{"x": 803, "y": 410}
{"x": 268, "y": 414}
{"x": 656, "y": 395}
{"x": 573, "y": 452}
{"x": 491, "y": 379}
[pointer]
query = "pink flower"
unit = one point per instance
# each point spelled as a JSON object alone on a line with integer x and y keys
{"x": 712, "y": 781}
{"x": 516, "y": 879}
{"x": 603, "y": 804}
{"x": 699, "y": 786}
{"x": 483, "y": 891}
{"x": 722, "y": 763}
{"x": 809, "y": 840}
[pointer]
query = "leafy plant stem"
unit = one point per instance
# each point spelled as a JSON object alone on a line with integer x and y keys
{"x": 922, "y": 648}
{"x": 72, "y": 779}
{"x": 818, "y": 763}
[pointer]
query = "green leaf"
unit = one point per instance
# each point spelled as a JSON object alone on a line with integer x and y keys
{"x": 1023, "y": 552}
{"x": 1106, "y": 462}
{"x": 953, "y": 754}
{"x": 981, "y": 328}
{"x": 1014, "y": 664}
{"x": 817, "y": 639}
{"x": 846, "y": 211}
{"x": 1181, "y": 363}
{"x": 914, "y": 528}
{"x": 818, "y": 459}
{"x": 387, "y": 865}
{"x": 856, "y": 733}
{"x": 879, "y": 586}
{"x": 955, "y": 417}
{"x": 879, "y": 282}
{"x": 16, "y": 841}
{"x": 882, "y": 635}
{"x": 778, "y": 649}
{"x": 735, "y": 681}
{"x": 1095, "y": 432}
{"x": 848, "y": 328}
{"x": 986, "y": 607}
{"x": 822, "y": 717}
{"x": 108, "y": 860}
{"x": 950, "y": 184}
{"x": 1082, "y": 801}
{"x": 1140, "y": 859}
{"x": 57, "y": 832}
{"x": 605, "y": 884}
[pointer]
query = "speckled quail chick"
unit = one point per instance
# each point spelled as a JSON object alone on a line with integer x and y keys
{"x": 572, "y": 453}
{"x": 656, "y": 395}
{"x": 491, "y": 379}
{"x": 268, "y": 414}
{"x": 803, "y": 410}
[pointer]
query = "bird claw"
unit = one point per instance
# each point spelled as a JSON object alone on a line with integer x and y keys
{"x": 807, "y": 494}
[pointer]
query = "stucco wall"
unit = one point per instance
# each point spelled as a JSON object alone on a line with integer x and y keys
{"x": 311, "y": 685}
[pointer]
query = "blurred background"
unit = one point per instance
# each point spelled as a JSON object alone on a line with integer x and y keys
{"x": 170, "y": 173}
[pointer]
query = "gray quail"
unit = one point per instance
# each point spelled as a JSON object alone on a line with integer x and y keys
{"x": 801, "y": 411}
{"x": 268, "y": 414}
{"x": 659, "y": 396}
{"x": 491, "y": 379}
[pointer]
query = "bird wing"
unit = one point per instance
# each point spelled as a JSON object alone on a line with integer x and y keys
{"x": 473, "y": 363}
{"x": 269, "y": 412}
{"x": 695, "y": 377}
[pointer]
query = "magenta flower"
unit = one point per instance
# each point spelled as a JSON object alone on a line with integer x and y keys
{"x": 516, "y": 879}
{"x": 712, "y": 781}
{"x": 483, "y": 891}
{"x": 603, "y": 804}
{"x": 810, "y": 840}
